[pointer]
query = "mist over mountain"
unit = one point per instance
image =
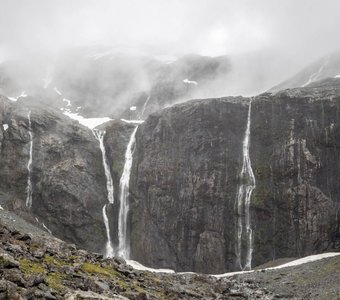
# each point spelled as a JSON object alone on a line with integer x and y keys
{"x": 169, "y": 149}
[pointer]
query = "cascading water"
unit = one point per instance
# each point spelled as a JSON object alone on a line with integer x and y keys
{"x": 124, "y": 248}
{"x": 243, "y": 203}
{"x": 99, "y": 135}
{"x": 109, "y": 249}
{"x": 144, "y": 106}
{"x": 29, "y": 189}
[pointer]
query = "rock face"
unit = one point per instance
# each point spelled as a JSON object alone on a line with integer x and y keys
{"x": 185, "y": 177}
{"x": 186, "y": 174}
{"x": 67, "y": 176}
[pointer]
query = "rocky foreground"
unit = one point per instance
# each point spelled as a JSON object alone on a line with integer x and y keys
{"x": 38, "y": 266}
{"x": 43, "y": 267}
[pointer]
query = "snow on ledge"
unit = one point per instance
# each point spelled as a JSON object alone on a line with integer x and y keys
{"x": 337, "y": 76}
{"x": 88, "y": 122}
{"x": 186, "y": 80}
{"x": 296, "y": 262}
{"x": 132, "y": 121}
{"x": 138, "y": 266}
{"x": 22, "y": 95}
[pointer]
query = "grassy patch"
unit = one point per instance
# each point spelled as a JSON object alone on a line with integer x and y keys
{"x": 54, "y": 281}
{"x": 54, "y": 261}
{"x": 29, "y": 267}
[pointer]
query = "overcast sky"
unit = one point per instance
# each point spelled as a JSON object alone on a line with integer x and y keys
{"x": 301, "y": 29}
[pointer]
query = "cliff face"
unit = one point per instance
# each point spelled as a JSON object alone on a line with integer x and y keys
{"x": 186, "y": 178}
{"x": 186, "y": 175}
{"x": 67, "y": 176}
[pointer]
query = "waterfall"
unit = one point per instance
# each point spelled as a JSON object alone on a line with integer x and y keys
{"x": 29, "y": 189}
{"x": 99, "y": 135}
{"x": 144, "y": 106}
{"x": 245, "y": 190}
{"x": 124, "y": 249}
{"x": 109, "y": 249}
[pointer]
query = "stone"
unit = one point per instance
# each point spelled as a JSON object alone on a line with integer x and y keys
{"x": 7, "y": 261}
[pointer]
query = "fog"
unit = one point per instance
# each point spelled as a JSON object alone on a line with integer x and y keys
{"x": 268, "y": 39}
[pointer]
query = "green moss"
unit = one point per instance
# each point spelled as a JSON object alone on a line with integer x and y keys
{"x": 29, "y": 267}
{"x": 54, "y": 261}
{"x": 107, "y": 271}
{"x": 96, "y": 269}
{"x": 55, "y": 281}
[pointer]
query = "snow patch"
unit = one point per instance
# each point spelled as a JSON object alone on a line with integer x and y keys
{"x": 132, "y": 121}
{"x": 88, "y": 122}
{"x": 186, "y": 80}
{"x": 5, "y": 126}
{"x": 133, "y": 108}
{"x": 22, "y": 95}
{"x": 138, "y": 266}
{"x": 337, "y": 76}
{"x": 68, "y": 102}
{"x": 1, "y": 208}
{"x": 296, "y": 262}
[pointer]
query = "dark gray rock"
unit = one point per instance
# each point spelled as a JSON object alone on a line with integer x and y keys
{"x": 186, "y": 173}
{"x": 68, "y": 180}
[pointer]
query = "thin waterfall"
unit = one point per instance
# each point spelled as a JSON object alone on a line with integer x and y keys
{"x": 99, "y": 135}
{"x": 29, "y": 189}
{"x": 144, "y": 106}
{"x": 109, "y": 249}
{"x": 245, "y": 190}
{"x": 124, "y": 248}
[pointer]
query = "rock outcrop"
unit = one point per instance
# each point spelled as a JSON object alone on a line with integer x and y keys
{"x": 67, "y": 176}
{"x": 33, "y": 267}
{"x": 186, "y": 174}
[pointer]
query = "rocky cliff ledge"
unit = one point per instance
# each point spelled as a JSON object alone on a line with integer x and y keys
{"x": 186, "y": 176}
{"x": 67, "y": 177}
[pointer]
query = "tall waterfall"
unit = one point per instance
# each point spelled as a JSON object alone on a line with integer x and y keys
{"x": 247, "y": 185}
{"x": 124, "y": 248}
{"x": 29, "y": 189}
{"x": 99, "y": 135}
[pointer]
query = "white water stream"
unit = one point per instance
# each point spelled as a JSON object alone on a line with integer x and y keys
{"x": 99, "y": 135}
{"x": 124, "y": 248}
{"x": 29, "y": 189}
{"x": 243, "y": 228}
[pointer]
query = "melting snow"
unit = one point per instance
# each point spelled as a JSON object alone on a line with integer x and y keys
{"x": 67, "y": 101}
{"x": 88, "y": 122}
{"x": 186, "y": 80}
{"x": 138, "y": 266}
{"x": 296, "y": 262}
{"x": 5, "y": 126}
{"x": 57, "y": 91}
{"x": 132, "y": 121}
{"x": 22, "y": 95}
